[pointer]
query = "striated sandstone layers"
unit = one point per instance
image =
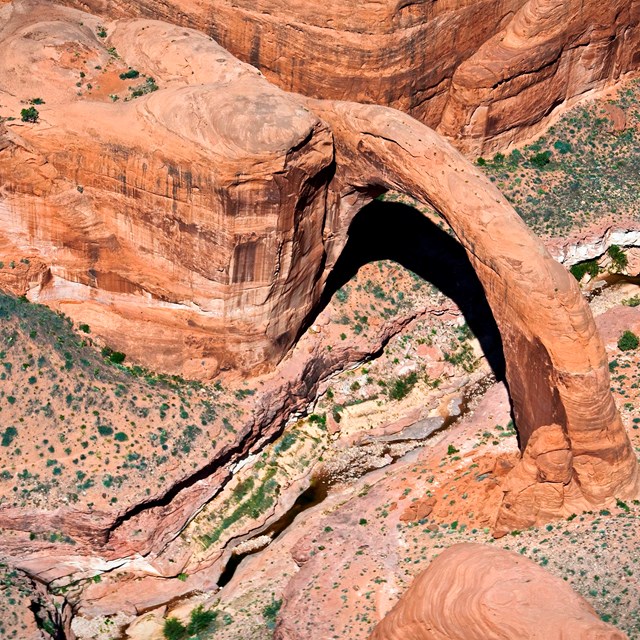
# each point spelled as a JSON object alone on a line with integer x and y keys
{"x": 185, "y": 227}
{"x": 473, "y": 592}
{"x": 550, "y": 52}
{"x": 486, "y": 72}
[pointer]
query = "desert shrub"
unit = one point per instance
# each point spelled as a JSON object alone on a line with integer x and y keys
{"x": 562, "y": 146}
{"x": 402, "y": 386}
{"x": 129, "y": 75}
{"x": 200, "y": 620}
{"x": 628, "y": 341}
{"x": 618, "y": 257}
{"x": 29, "y": 115}
{"x": 8, "y": 436}
{"x": 174, "y": 629}
{"x": 117, "y": 357}
{"x": 588, "y": 266}
{"x": 540, "y": 160}
{"x": 270, "y": 612}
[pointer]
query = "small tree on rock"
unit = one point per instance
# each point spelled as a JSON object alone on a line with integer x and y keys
{"x": 29, "y": 115}
{"x": 628, "y": 341}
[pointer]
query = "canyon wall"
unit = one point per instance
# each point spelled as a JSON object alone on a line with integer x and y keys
{"x": 184, "y": 226}
{"x": 190, "y": 212}
{"x": 485, "y": 73}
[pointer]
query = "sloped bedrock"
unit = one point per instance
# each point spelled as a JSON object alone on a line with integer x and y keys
{"x": 485, "y": 72}
{"x": 472, "y": 591}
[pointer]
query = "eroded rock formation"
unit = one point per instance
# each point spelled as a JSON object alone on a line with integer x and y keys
{"x": 191, "y": 212}
{"x": 194, "y": 227}
{"x": 185, "y": 227}
{"x": 485, "y": 72}
{"x": 556, "y": 364}
{"x": 473, "y": 592}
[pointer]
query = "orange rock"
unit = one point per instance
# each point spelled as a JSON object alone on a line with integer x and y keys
{"x": 474, "y": 592}
{"x": 485, "y": 72}
{"x": 617, "y": 116}
{"x": 418, "y": 510}
{"x": 195, "y": 226}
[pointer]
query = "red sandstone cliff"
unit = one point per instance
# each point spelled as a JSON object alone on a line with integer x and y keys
{"x": 485, "y": 72}
{"x": 193, "y": 227}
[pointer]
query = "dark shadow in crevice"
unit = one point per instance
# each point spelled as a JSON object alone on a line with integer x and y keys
{"x": 394, "y": 231}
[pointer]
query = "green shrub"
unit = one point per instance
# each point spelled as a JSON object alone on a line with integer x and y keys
{"x": 8, "y": 436}
{"x": 104, "y": 430}
{"x": 628, "y": 341}
{"x": 117, "y": 357}
{"x": 402, "y": 386}
{"x": 200, "y": 620}
{"x": 29, "y": 115}
{"x": 618, "y": 257}
{"x": 562, "y": 146}
{"x": 270, "y": 612}
{"x": 129, "y": 75}
{"x": 174, "y": 629}
{"x": 540, "y": 160}
{"x": 588, "y": 266}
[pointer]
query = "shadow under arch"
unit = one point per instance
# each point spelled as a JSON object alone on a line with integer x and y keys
{"x": 385, "y": 230}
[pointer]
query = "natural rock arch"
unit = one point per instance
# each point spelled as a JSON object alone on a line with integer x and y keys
{"x": 287, "y": 182}
{"x": 576, "y": 452}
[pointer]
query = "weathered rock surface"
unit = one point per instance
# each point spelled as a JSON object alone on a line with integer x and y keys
{"x": 486, "y": 72}
{"x": 550, "y": 52}
{"x": 473, "y": 592}
{"x": 557, "y": 376}
{"x": 197, "y": 225}
{"x": 185, "y": 227}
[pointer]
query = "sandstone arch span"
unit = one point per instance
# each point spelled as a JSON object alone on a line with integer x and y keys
{"x": 575, "y": 450}
{"x": 197, "y": 225}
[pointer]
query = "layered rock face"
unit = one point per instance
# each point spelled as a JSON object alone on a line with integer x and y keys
{"x": 550, "y": 52}
{"x": 185, "y": 226}
{"x": 472, "y": 591}
{"x": 485, "y": 72}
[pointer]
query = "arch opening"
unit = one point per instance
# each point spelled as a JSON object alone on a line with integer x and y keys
{"x": 384, "y": 230}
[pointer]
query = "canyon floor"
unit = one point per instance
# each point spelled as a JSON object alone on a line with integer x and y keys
{"x": 320, "y": 526}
